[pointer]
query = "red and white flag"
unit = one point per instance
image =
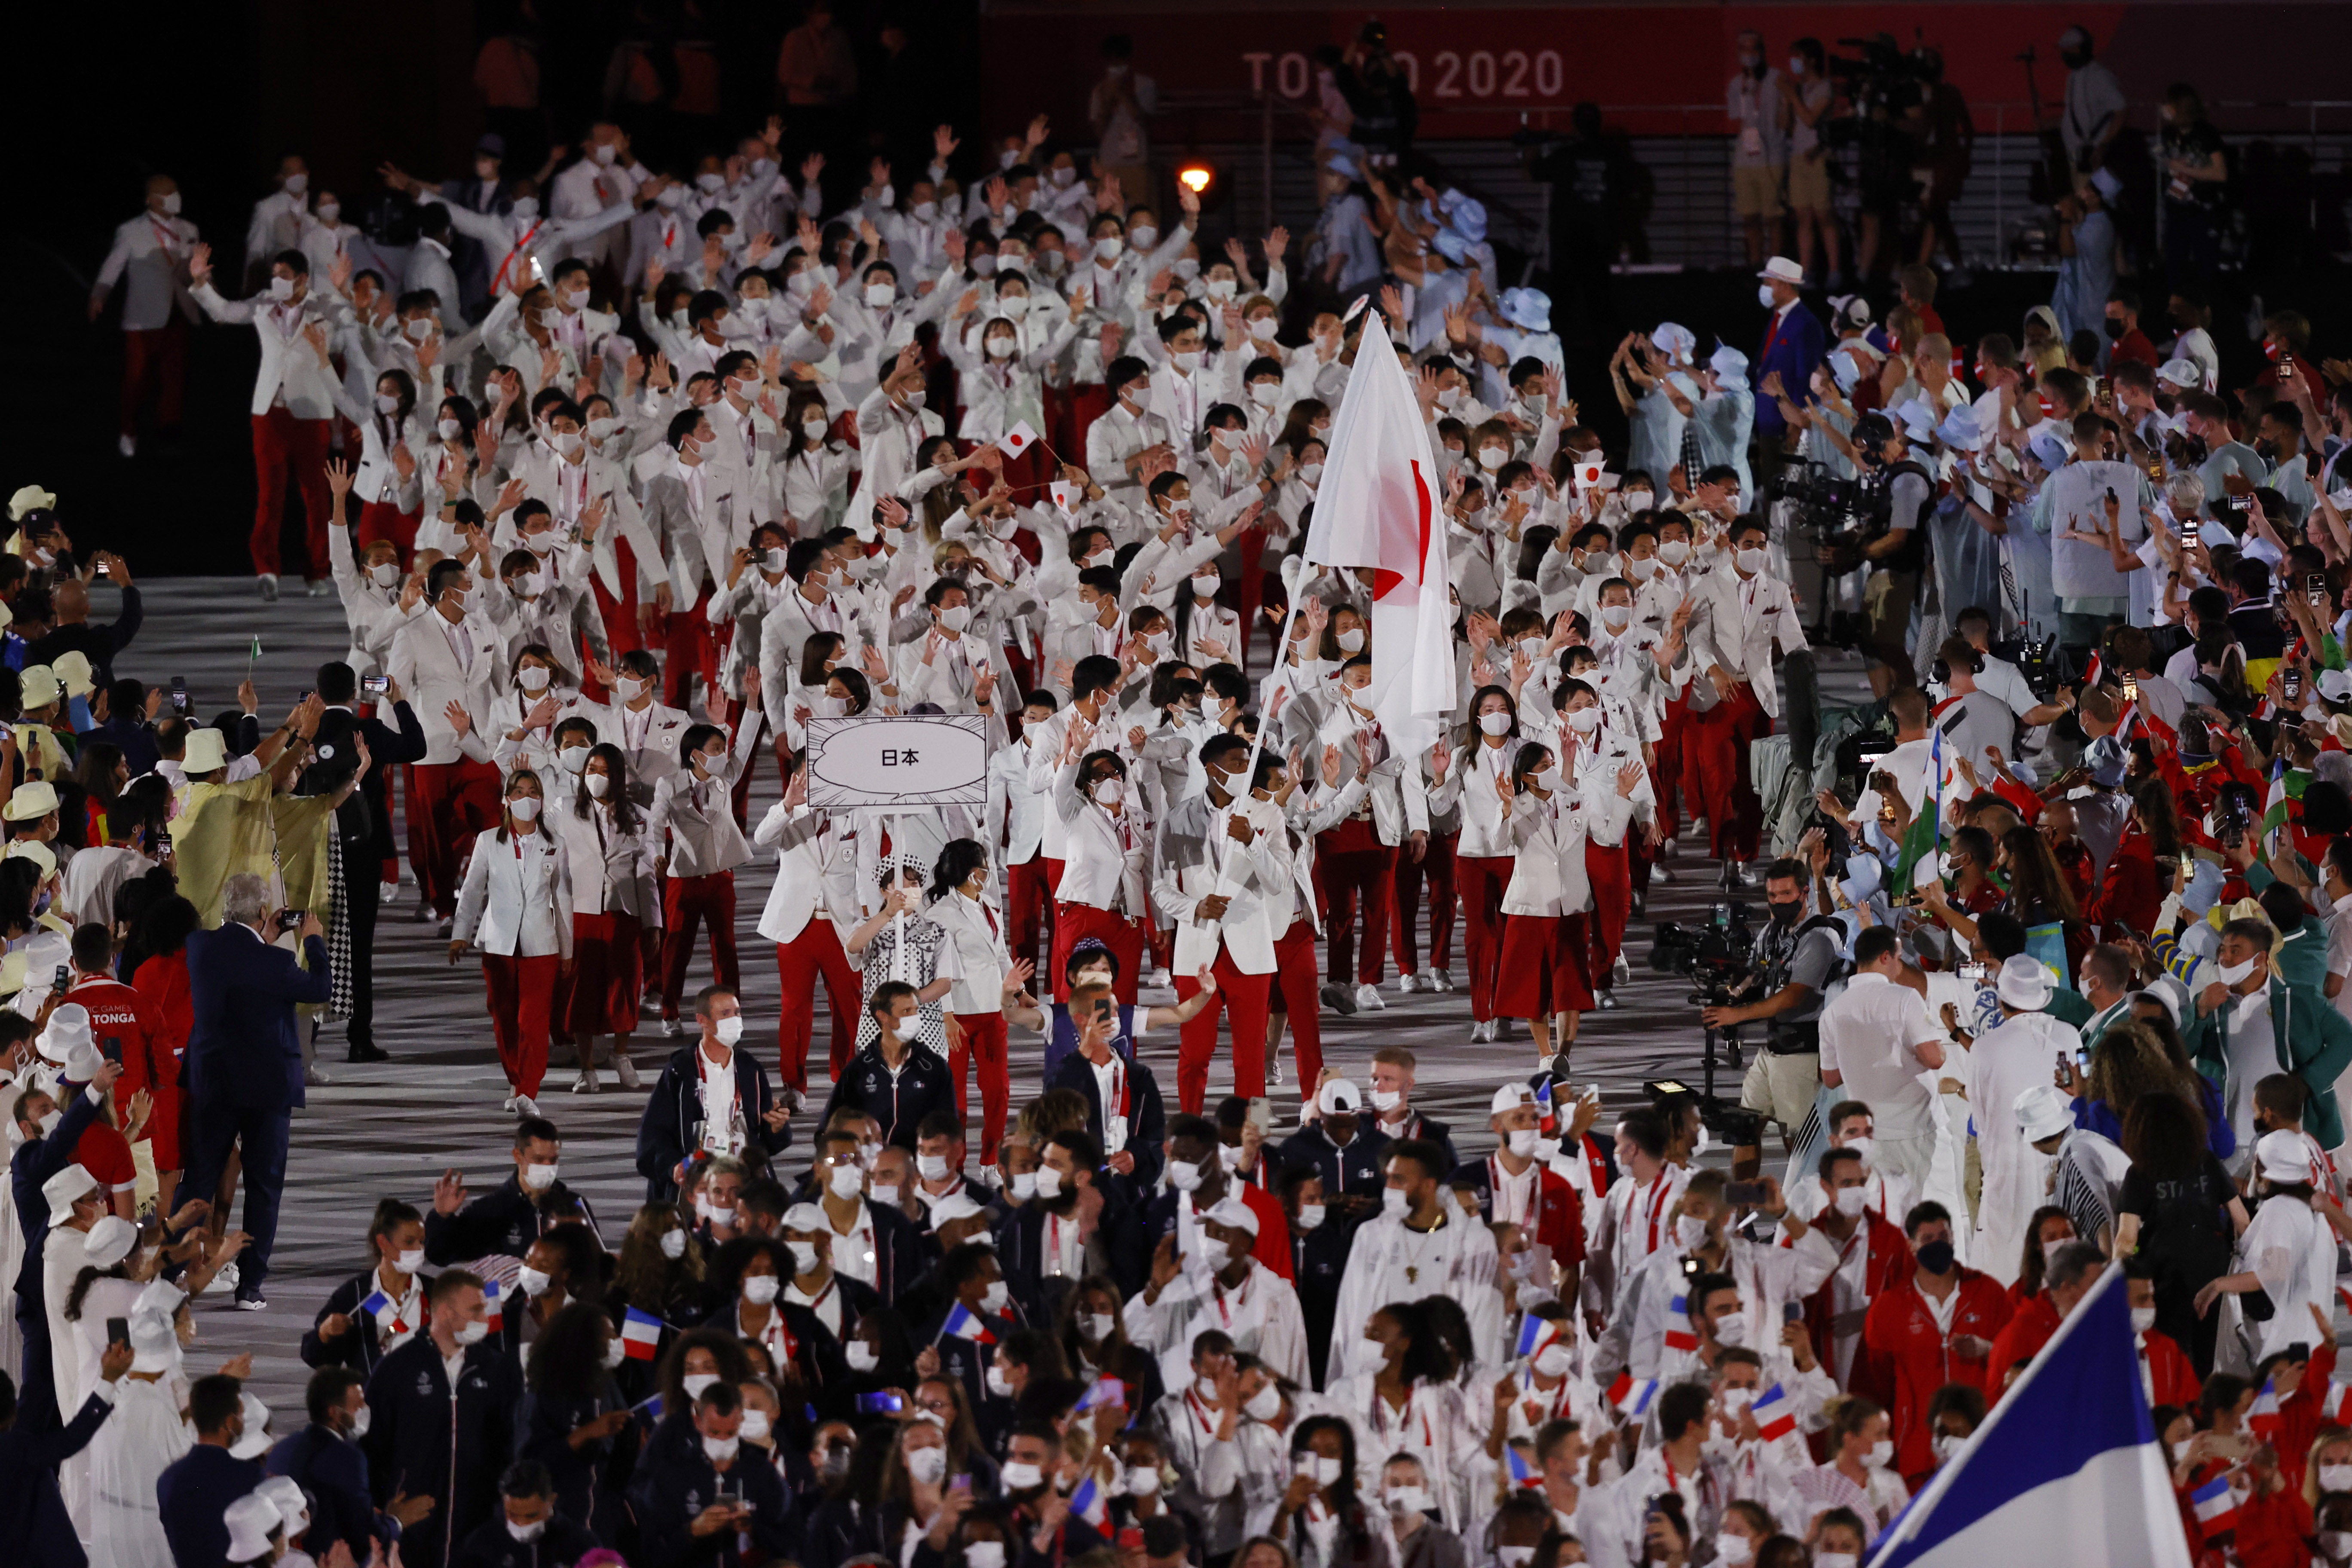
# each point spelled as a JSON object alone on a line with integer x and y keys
{"x": 1017, "y": 440}
{"x": 1379, "y": 506}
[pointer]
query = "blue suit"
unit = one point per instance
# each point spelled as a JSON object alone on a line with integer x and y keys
{"x": 335, "y": 1471}
{"x": 1793, "y": 346}
{"x": 193, "y": 1496}
{"x": 243, "y": 1070}
{"x": 32, "y": 1514}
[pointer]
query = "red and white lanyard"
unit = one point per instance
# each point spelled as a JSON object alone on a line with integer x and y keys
{"x": 1657, "y": 1209}
{"x": 498, "y": 284}
{"x": 1532, "y": 1220}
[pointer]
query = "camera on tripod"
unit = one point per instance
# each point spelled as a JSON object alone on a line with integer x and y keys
{"x": 1835, "y": 512}
{"x": 1883, "y": 78}
{"x": 1719, "y": 958}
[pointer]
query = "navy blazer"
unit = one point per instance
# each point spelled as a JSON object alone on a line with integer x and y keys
{"x": 1793, "y": 346}
{"x": 1147, "y": 1118}
{"x": 36, "y": 1162}
{"x": 32, "y": 1514}
{"x": 193, "y": 1494}
{"x": 335, "y": 1471}
{"x": 243, "y": 1047}
{"x": 671, "y": 1126}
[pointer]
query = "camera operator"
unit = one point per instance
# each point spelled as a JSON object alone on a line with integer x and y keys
{"x": 1796, "y": 959}
{"x": 1899, "y": 489}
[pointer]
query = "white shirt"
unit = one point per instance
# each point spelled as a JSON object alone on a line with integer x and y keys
{"x": 2253, "y": 1057}
{"x": 852, "y": 1254}
{"x": 1870, "y": 1035}
{"x": 826, "y": 1303}
{"x": 722, "y": 1115}
{"x": 1111, "y": 1082}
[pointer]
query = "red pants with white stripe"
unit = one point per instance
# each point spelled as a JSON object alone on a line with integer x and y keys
{"x": 449, "y": 806}
{"x": 1242, "y": 998}
{"x": 982, "y": 1043}
{"x": 522, "y": 999}
{"x": 1295, "y": 974}
{"x": 1436, "y": 865}
{"x": 1073, "y": 923}
{"x": 1482, "y": 879}
{"x": 282, "y": 443}
{"x": 685, "y": 900}
{"x": 1609, "y": 870}
{"x": 1715, "y": 750}
{"x": 1028, "y": 906}
{"x": 815, "y": 951}
{"x": 1359, "y": 871}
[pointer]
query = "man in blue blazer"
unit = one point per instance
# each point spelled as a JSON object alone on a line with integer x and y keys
{"x": 1792, "y": 346}
{"x": 244, "y": 1060}
{"x": 33, "y": 1518}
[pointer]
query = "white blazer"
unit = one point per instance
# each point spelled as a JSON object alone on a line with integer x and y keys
{"x": 611, "y": 871}
{"x": 289, "y": 363}
{"x": 816, "y": 869}
{"x": 427, "y": 670}
{"x": 1202, "y": 861}
{"x": 1548, "y": 877}
{"x": 1102, "y": 856}
{"x": 517, "y": 901}
{"x": 977, "y": 930}
{"x": 1485, "y": 834}
{"x": 1735, "y": 623}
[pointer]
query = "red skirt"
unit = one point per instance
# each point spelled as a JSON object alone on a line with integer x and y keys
{"x": 1543, "y": 966}
{"x": 608, "y": 977}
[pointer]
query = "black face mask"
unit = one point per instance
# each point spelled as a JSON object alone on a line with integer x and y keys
{"x": 1786, "y": 914}
{"x": 1936, "y": 1257}
{"x": 2115, "y": 327}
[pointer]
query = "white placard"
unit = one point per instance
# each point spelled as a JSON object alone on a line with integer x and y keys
{"x": 879, "y": 759}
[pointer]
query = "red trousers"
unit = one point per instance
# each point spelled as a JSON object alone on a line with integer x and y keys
{"x": 692, "y": 654}
{"x": 1242, "y": 997}
{"x": 1028, "y": 906}
{"x": 522, "y": 999}
{"x": 449, "y": 806}
{"x": 1294, "y": 976}
{"x": 1481, "y": 880}
{"x": 984, "y": 1045}
{"x": 156, "y": 359}
{"x": 1073, "y": 923}
{"x": 817, "y": 951}
{"x": 1673, "y": 757}
{"x": 685, "y": 900}
{"x": 281, "y": 442}
{"x": 1715, "y": 771}
{"x": 1252, "y": 545}
{"x": 619, "y": 613}
{"x": 1609, "y": 870}
{"x": 1436, "y": 864}
{"x": 1358, "y": 871}
{"x": 382, "y": 520}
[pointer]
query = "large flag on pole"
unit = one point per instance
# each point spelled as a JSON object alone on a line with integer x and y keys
{"x": 1381, "y": 505}
{"x": 2066, "y": 1470}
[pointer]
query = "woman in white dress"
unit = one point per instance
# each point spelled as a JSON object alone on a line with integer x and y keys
{"x": 2278, "y": 1256}
{"x": 145, "y": 1436}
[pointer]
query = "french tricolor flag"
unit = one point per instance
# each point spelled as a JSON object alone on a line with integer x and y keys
{"x": 1089, "y": 1503}
{"x": 966, "y": 1324}
{"x": 1775, "y": 1413}
{"x": 1534, "y": 1333}
{"x": 1548, "y": 1122}
{"x": 496, "y": 1309}
{"x": 1632, "y": 1397}
{"x": 2264, "y": 1419}
{"x": 1522, "y": 1473}
{"x": 385, "y": 1311}
{"x": 640, "y": 1335}
{"x": 1680, "y": 1335}
{"x": 2216, "y": 1504}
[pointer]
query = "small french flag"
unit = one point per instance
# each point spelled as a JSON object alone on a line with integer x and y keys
{"x": 1522, "y": 1473}
{"x": 385, "y": 1311}
{"x": 2216, "y": 1505}
{"x": 1631, "y": 1397}
{"x": 640, "y": 1335}
{"x": 1087, "y": 1503}
{"x": 1680, "y": 1336}
{"x": 496, "y": 1310}
{"x": 1547, "y": 1122}
{"x": 650, "y": 1410}
{"x": 1775, "y": 1414}
{"x": 1017, "y": 440}
{"x": 1533, "y": 1333}
{"x": 2264, "y": 1419}
{"x": 966, "y": 1324}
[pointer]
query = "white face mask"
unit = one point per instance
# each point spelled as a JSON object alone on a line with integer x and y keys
{"x": 525, "y": 209}
{"x": 1406, "y": 1500}
{"x": 955, "y": 618}
{"x": 531, "y": 1281}
{"x": 1731, "y": 1329}
{"x": 1852, "y": 1201}
{"x": 721, "y": 1450}
{"x": 408, "y": 1262}
{"x": 1672, "y": 552}
{"x": 599, "y": 784}
{"x": 993, "y": 1300}
{"x": 539, "y": 1178}
{"x": 1492, "y": 458}
{"x": 471, "y": 1334}
{"x": 2144, "y": 1319}
{"x": 1733, "y": 1550}
{"x": 1310, "y": 1216}
{"x": 693, "y": 1382}
{"x": 863, "y": 1357}
{"x": 1187, "y": 360}
{"x": 281, "y": 288}
{"x": 1205, "y": 585}
{"x": 672, "y": 1245}
{"x": 1024, "y": 1186}
{"x": 1049, "y": 1183}
{"x": 2235, "y": 973}
{"x": 1109, "y": 792}
{"x": 386, "y": 574}
{"x": 932, "y": 1167}
{"x": 1522, "y": 1142}
{"x": 761, "y": 1289}
{"x": 1750, "y": 561}
{"x": 572, "y": 759}
{"x": 1881, "y": 1454}
{"x": 1583, "y": 720}
{"x": 1617, "y": 618}
{"x": 172, "y": 203}
{"x": 1555, "y": 1359}
{"x": 1351, "y": 641}
{"x": 844, "y": 1181}
{"x": 1311, "y": 472}
{"x": 1019, "y": 1475}
{"x": 1214, "y": 1254}
{"x": 927, "y": 1467}
{"x": 1395, "y": 1202}
{"x": 1264, "y": 1405}
{"x": 1546, "y": 779}
{"x": 1690, "y": 1230}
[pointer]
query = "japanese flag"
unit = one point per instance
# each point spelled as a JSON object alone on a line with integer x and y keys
{"x": 1017, "y": 440}
{"x": 1065, "y": 493}
{"x": 1590, "y": 471}
{"x": 1377, "y": 508}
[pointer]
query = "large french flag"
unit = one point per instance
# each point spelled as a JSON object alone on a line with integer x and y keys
{"x": 2084, "y": 1484}
{"x": 1382, "y": 504}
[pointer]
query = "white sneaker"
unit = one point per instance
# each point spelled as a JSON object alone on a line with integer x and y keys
{"x": 626, "y": 1071}
{"x": 318, "y": 588}
{"x": 1368, "y": 996}
{"x": 224, "y": 1281}
{"x": 1662, "y": 872}
{"x": 509, "y": 1105}
{"x": 268, "y": 580}
{"x": 315, "y": 1077}
{"x": 1409, "y": 983}
{"x": 1622, "y": 973}
{"x": 1609, "y": 1001}
{"x": 1438, "y": 979}
{"x": 1478, "y": 1036}
{"x": 586, "y": 1082}
{"x": 524, "y": 1105}
{"x": 389, "y": 894}
{"x": 127, "y": 445}
{"x": 672, "y": 1029}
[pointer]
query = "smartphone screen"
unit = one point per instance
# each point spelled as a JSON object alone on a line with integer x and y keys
{"x": 118, "y": 1330}
{"x": 1744, "y": 1192}
{"x": 375, "y": 685}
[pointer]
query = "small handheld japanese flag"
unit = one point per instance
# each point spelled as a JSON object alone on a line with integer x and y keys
{"x": 640, "y": 1335}
{"x": 1017, "y": 440}
{"x": 1588, "y": 472}
{"x": 1065, "y": 495}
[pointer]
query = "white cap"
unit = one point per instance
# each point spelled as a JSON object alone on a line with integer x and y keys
{"x": 205, "y": 750}
{"x": 108, "y": 1242}
{"x": 2283, "y": 1156}
{"x": 954, "y": 1206}
{"x": 1235, "y": 1214}
{"x": 1674, "y": 340}
{"x": 65, "y": 1188}
{"x": 1728, "y": 363}
{"x": 250, "y": 1519}
{"x": 2336, "y": 685}
{"x": 1783, "y": 270}
{"x": 804, "y": 1216}
{"x": 68, "y": 1026}
{"x": 2183, "y": 374}
{"x": 2043, "y": 1113}
{"x": 1509, "y": 1097}
{"x": 2024, "y": 983}
{"x": 284, "y": 1495}
{"x": 72, "y": 669}
{"x": 1338, "y": 1095}
{"x": 255, "y": 1440}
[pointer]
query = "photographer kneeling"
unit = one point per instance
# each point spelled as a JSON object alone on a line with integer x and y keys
{"x": 1796, "y": 961}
